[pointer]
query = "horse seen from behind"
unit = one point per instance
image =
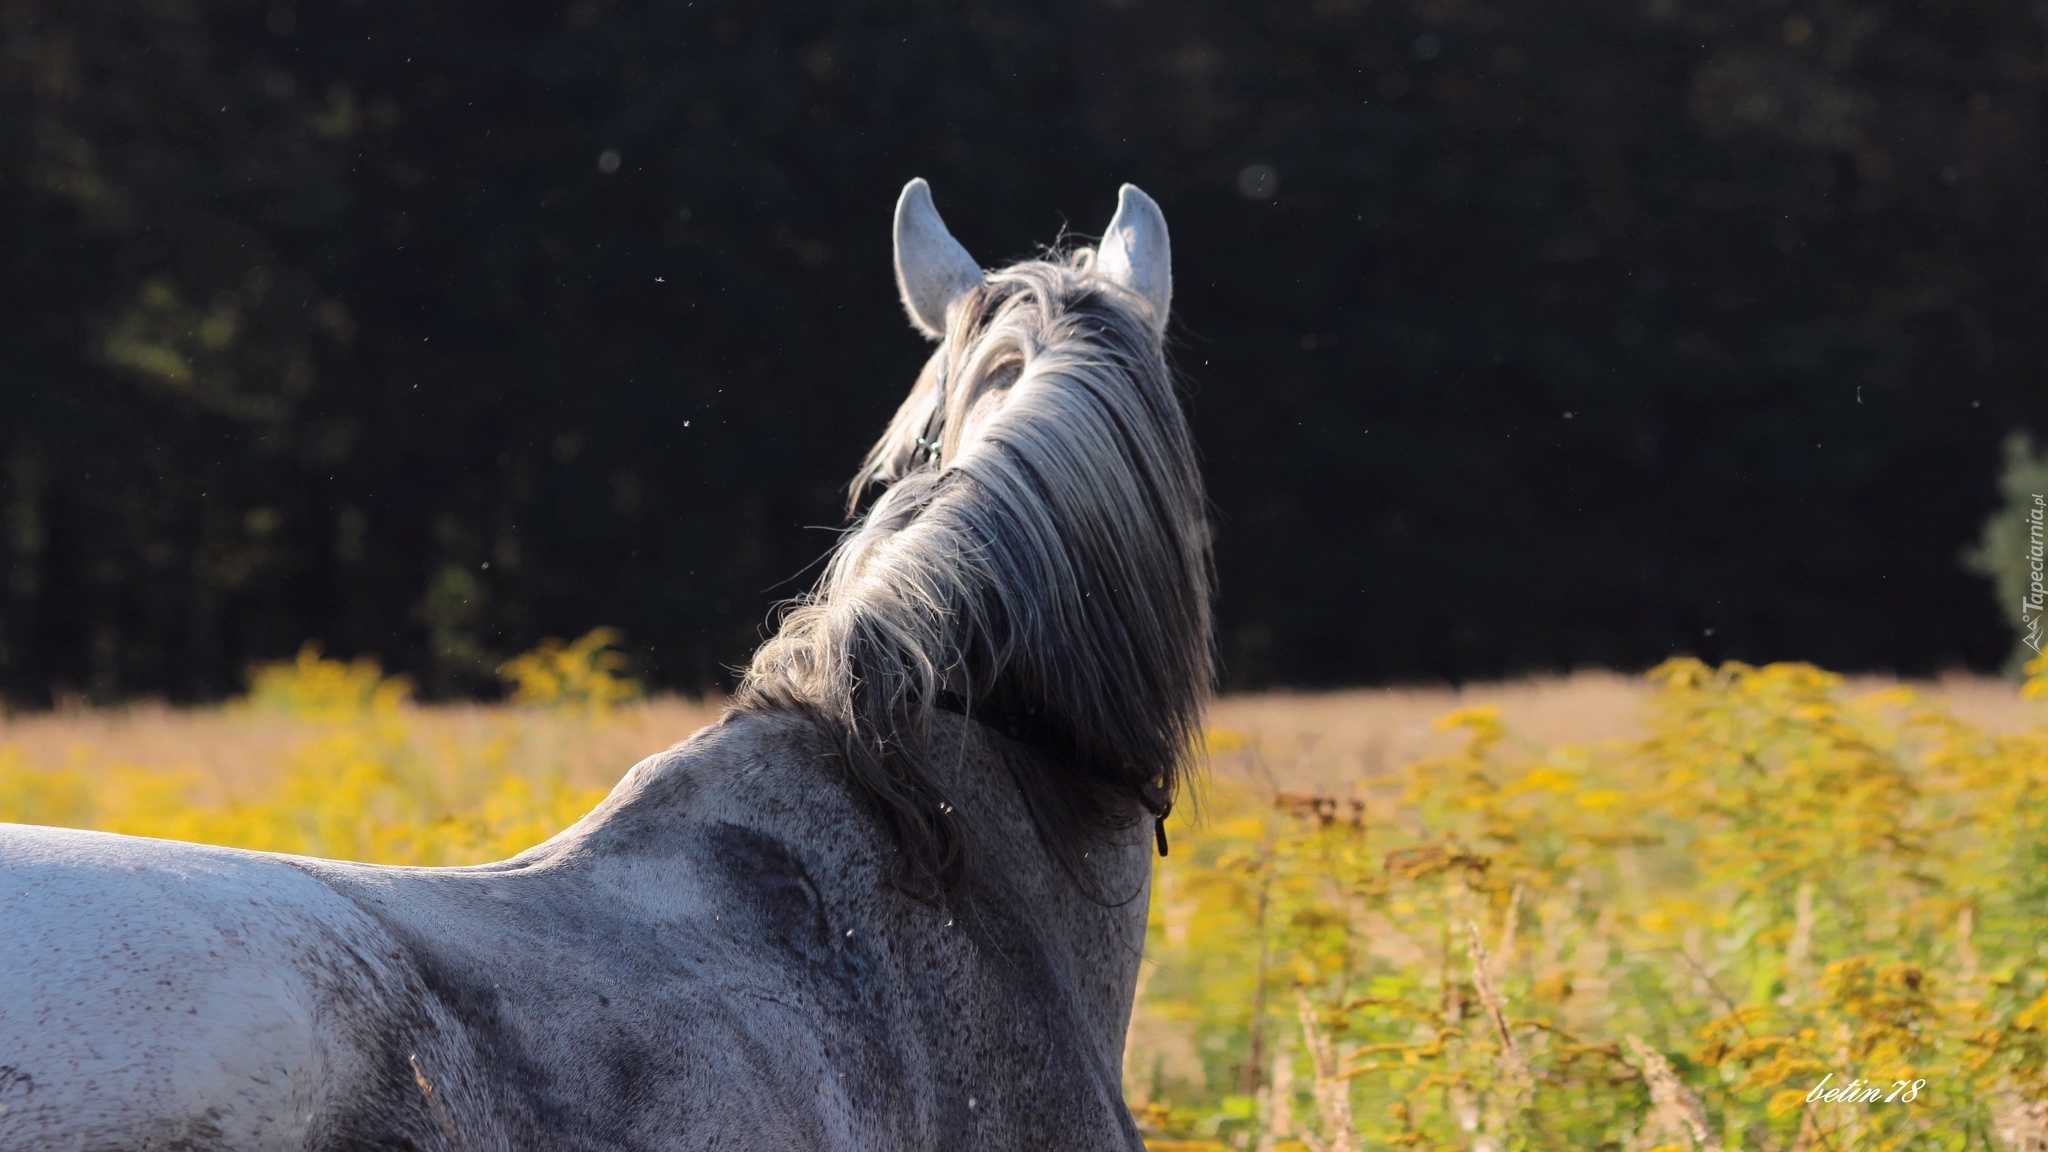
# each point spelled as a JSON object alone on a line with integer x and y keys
{"x": 894, "y": 898}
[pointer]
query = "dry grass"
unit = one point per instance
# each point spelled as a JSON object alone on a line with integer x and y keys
{"x": 1314, "y": 742}
{"x": 236, "y": 753}
{"x": 326, "y": 758}
{"x": 1597, "y": 912}
{"x": 1566, "y": 912}
{"x": 1326, "y": 742}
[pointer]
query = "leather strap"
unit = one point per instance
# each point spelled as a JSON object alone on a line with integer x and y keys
{"x": 1032, "y": 728}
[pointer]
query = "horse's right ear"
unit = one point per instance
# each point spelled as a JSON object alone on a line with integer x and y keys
{"x": 932, "y": 269}
{"x": 1136, "y": 253}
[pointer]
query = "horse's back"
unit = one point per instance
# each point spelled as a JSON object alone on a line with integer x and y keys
{"x": 164, "y": 995}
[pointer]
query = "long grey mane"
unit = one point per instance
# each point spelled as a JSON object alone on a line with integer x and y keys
{"x": 1039, "y": 550}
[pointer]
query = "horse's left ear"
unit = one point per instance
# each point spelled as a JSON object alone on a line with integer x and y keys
{"x": 1135, "y": 253}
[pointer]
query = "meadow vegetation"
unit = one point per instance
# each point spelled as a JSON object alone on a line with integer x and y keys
{"x": 331, "y": 758}
{"x": 1662, "y": 942}
{"x": 1660, "y": 939}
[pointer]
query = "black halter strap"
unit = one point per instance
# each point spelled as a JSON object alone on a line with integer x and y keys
{"x": 1031, "y": 727}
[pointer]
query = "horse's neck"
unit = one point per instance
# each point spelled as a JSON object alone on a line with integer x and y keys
{"x": 1100, "y": 936}
{"x": 722, "y": 772}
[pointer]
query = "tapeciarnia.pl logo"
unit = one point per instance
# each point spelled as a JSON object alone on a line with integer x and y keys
{"x": 2036, "y": 599}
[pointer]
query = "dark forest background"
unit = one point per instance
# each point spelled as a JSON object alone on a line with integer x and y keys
{"x": 1518, "y": 336}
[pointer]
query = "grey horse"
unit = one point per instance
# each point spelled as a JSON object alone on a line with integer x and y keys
{"x": 895, "y": 898}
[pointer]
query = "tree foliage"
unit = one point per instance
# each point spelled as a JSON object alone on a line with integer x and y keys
{"x": 1518, "y": 336}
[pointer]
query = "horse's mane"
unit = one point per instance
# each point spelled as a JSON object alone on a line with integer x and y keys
{"x": 1039, "y": 550}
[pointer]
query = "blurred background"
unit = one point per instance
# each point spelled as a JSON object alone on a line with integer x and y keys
{"x": 1518, "y": 337}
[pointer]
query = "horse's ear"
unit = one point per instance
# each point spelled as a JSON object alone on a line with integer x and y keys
{"x": 1135, "y": 253}
{"x": 932, "y": 269}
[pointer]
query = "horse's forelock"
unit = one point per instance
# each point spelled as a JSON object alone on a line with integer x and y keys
{"x": 1048, "y": 557}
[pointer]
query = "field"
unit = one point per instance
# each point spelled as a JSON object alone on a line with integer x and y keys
{"x": 1578, "y": 913}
